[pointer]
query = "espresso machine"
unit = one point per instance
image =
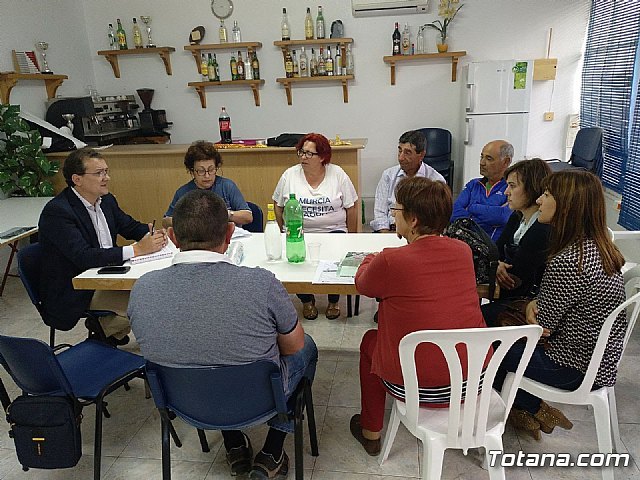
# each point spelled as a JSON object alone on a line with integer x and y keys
{"x": 97, "y": 121}
{"x": 152, "y": 122}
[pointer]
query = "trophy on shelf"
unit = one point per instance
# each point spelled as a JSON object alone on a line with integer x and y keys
{"x": 43, "y": 46}
{"x": 147, "y": 23}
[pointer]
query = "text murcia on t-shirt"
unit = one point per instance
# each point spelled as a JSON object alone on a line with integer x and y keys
{"x": 316, "y": 207}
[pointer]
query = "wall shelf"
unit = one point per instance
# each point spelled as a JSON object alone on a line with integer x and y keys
{"x": 287, "y": 82}
{"x": 197, "y": 49}
{"x": 8, "y": 80}
{"x": 202, "y": 86}
{"x": 322, "y": 41}
{"x": 454, "y": 56}
{"x": 112, "y": 56}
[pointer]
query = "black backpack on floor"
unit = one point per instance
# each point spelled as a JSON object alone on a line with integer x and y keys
{"x": 485, "y": 252}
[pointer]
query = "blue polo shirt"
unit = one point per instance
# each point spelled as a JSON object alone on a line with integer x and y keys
{"x": 223, "y": 187}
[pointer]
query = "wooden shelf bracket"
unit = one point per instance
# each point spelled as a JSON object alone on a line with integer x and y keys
{"x": 10, "y": 79}
{"x": 163, "y": 52}
{"x": 392, "y": 60}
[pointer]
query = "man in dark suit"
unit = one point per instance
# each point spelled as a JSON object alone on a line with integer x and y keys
{"x": 77, "y": 231}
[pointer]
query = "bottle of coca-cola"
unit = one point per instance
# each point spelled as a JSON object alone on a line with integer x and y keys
{"x": 225, "y": 126}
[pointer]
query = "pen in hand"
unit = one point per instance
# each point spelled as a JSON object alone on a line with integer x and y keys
{"x": 153, "y": 227}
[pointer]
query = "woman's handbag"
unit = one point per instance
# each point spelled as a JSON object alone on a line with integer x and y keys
{"x": 515, "y": 314}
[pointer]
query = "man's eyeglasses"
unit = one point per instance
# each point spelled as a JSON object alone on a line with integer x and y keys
{"x": 100, "y": 173}
{"x": 306, "y": 153}
{"x": 395, "y": 209}
{"x": 201, "y": 172}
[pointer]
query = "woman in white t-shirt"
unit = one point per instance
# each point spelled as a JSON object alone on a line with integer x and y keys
{"x": 328, "y": 200}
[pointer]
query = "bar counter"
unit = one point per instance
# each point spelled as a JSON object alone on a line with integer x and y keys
{"x": 145, "y": 177}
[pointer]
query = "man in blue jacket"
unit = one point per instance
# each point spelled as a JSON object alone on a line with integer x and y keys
{"x": 483, "y": 199}
{"x": 77, "y": 231}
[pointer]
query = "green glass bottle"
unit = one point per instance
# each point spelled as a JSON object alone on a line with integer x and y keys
{"x": 293, "y": 217}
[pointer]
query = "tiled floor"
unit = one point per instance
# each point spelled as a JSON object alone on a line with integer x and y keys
{"x": 131, "y": 445}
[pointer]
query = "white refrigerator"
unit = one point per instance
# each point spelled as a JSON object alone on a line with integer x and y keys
{"x": 497, "y": 99}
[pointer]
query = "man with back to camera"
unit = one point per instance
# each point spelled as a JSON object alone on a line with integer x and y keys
{"x": 412, "y": 147}
{"x": 77, "y": 231}
{"x": 483, "y": 199}
{"x": 206, "y": 318}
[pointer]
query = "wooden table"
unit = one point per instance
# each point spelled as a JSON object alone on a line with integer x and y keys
{"x": 18, "y": 212}
{"x": 296, "y": 278}
{"x": 144, "y": 178}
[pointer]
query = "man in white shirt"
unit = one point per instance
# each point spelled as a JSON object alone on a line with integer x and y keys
{"x": 412, "y": 147}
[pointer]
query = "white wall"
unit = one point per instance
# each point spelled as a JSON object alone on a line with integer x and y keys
{"x": 61, "y": 23}
{"x": 423, "y": 95}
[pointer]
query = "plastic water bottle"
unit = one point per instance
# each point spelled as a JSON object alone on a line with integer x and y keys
{"x": 296, "y": 250}
{"x": 272, "y": 236}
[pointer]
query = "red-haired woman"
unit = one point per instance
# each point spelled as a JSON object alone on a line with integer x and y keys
{"x": 328, "y": 200}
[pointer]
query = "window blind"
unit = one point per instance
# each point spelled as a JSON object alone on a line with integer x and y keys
{"x": 630, "y": 211}
{"x": 607, "y": 81}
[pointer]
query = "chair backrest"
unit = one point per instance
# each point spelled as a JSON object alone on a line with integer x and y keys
{"x": 587, "y": 150}
{"x": 215, "y": 398}
{"x": 632, "y": 306}
{"x": 33, "y": 366}
{"x": 257, "y": 225}
{"x": 29, "y": 265}
{"x": 473, "y": 410}
{"x": 438, "y": 154}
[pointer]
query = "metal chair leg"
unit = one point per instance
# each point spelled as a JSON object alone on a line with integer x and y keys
{"x": 311, "y": 419}
{"x": 97, "y": 448}
{"x": 203, "y": 441}
{"x": 166, "y": 446}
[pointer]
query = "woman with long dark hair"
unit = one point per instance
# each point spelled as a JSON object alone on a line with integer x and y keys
{"x": 582, "y": 284}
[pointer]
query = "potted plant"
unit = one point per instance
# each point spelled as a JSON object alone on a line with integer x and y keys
{"x": 447, "y": 10}
{"x": 24, "y": 169}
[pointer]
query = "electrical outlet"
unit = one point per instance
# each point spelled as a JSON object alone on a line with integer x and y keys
{"x": 548, "y": 116}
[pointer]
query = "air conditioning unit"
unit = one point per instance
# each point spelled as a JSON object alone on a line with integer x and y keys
{"x": 365, "y": 8}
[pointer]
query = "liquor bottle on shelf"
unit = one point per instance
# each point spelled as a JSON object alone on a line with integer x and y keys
{"x": 396, "y": 41}
{"x": 233, "y": 64}
{"x": 111, "y": 35}
{"x": 337, "y": 62}
{"x": 248, "y": 70}
{"x": 420, "y": 41}
{"x": 313, "y": 64}
{"x": 204, "y": 68}
{"x": 288, "y": 64}
{"x": 328, "y": 63}
{"x": 211, "y": 70}
{"x": 236, "y": 35}
{"x": 137, "y": 36}
{"x": 216, "y": 69}
{"x": 304, "y": 64}
{"x": 272, "y": 236}
{"x": 240, "y": 66}
{"x": 406, "y": 40}
{"x": 284, "y": 26}
{"x": 350, "y": 62}
{"x": 255, "y": 66}
{"x": 296, "y": 251}
{"x": 296, "y": 67}
{"x": 121, "y": 36}
{"x": 320, "y": 30}
{"x": 321, "y": 64}
{"x": 225, "y": 126}
{"x": 308, "y": 25}
{"x": 222, "y": 32}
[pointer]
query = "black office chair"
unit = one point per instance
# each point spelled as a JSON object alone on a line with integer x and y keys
{"x": 586, "y": 154}
{"x": 438, "y": 155}
{"x": 29, "y": 266}
{"x": 257, "y": 225}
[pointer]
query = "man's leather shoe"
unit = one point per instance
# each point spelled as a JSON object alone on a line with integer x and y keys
{"x": 309, "y": 310}
{"x": 118, "y": 342}
{"x": 333, "y": 311}
{"x": 372, "y": 447}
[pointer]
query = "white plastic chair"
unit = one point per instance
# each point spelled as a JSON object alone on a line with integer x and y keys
{"x": 603, "y": 400}
{"x": 479, "y": 421}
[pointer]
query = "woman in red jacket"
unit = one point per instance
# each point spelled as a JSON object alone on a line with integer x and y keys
{"x": 427, "y": 284}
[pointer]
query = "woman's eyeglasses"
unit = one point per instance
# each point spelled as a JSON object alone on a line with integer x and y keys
{"x": 201, "y": 172}
{"x": 306, "y": 153}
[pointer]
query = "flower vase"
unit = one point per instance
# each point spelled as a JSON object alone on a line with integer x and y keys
{"x": 442, "y": 47}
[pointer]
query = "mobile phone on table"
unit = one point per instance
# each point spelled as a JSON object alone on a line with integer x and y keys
{"x": 114, "y": 269}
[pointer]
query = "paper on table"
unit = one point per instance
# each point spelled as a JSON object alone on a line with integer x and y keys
{"x": 168, "y": 251}
{"x": 240, "y": 232}
{"x": 327, "y": 272}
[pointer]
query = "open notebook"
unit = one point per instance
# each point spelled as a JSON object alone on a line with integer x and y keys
{"x": 168, "y": 251}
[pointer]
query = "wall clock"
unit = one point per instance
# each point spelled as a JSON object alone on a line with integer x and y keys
{"x": 222, "y": 8}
